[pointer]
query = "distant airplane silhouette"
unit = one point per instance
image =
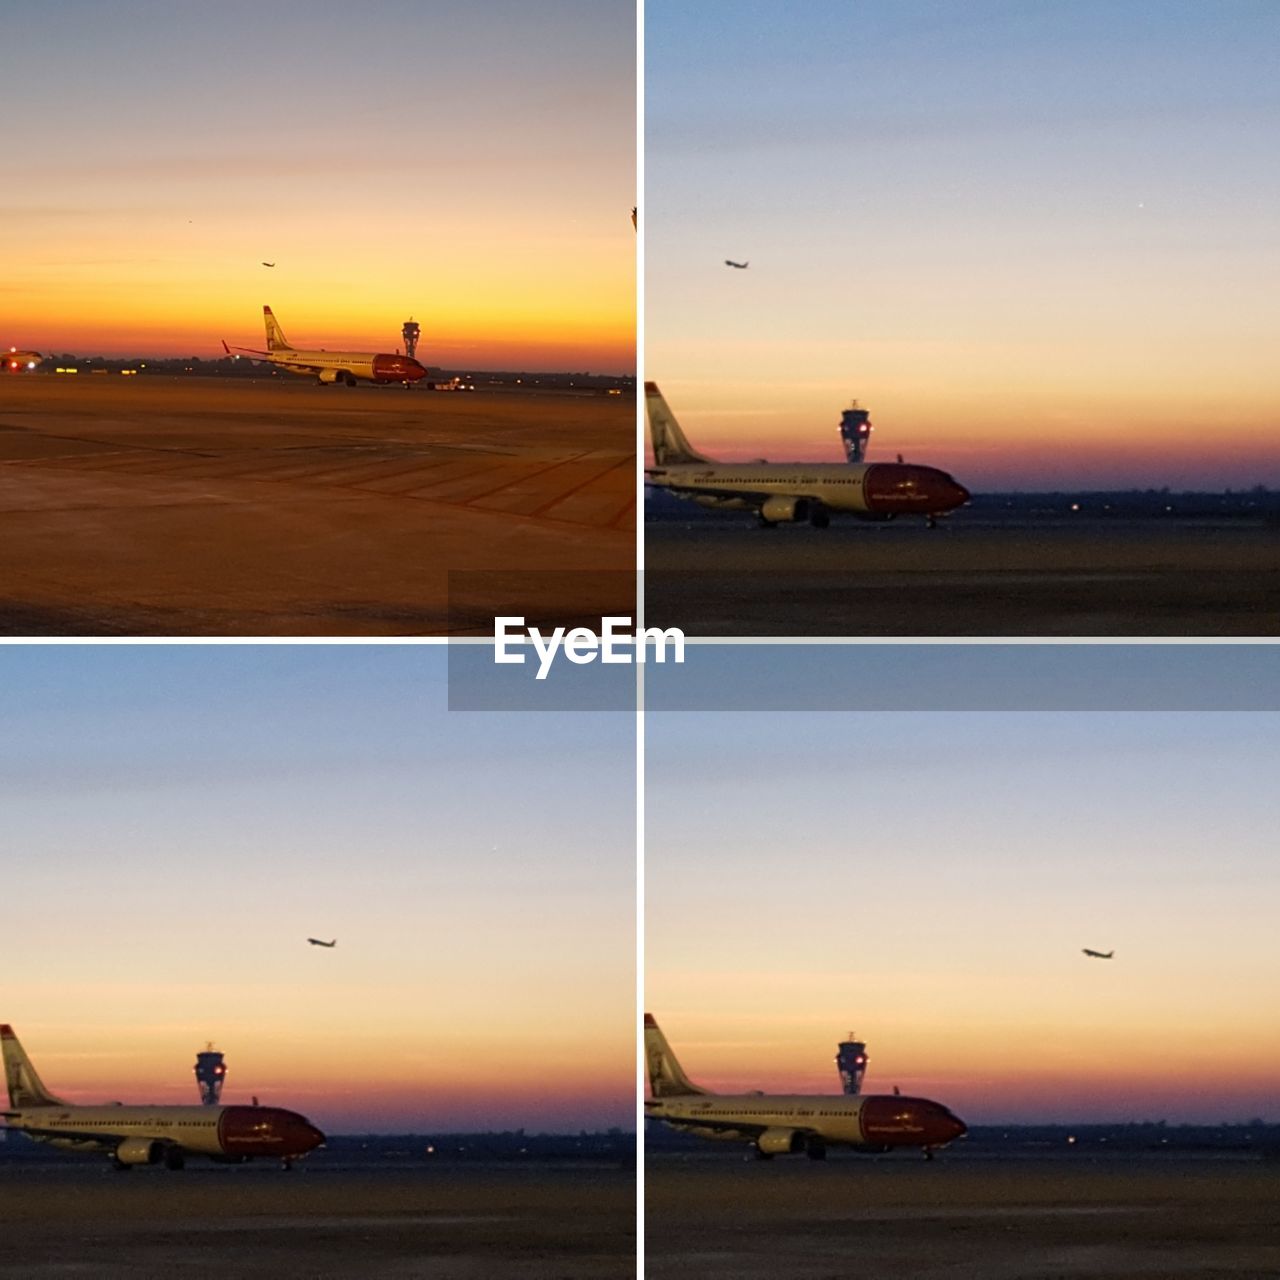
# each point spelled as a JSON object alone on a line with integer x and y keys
{"x": 315, "y": 942}
{"x": 1098, "y": 955}
{"x": 742, "y": 266}
{"x": 268, "y": 264}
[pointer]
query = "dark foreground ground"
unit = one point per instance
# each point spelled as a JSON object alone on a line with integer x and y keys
{"x": 1151, "y": 1217}
{"x": 204, "y": 506}
{"x": 975, "y": 575}
{"x": 466, "y": 1221}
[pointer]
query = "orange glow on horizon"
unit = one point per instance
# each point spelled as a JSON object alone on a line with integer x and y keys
{"x": 540, "y": 330}
{"x": 1179, "y": 437}
{"x": 441, "y": 1079}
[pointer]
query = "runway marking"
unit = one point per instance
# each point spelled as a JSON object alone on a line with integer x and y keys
{"x": 568, "y": 494}
{"x": 587, "y": 493}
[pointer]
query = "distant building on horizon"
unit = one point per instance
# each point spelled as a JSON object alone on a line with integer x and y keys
{"x": 851, "y": 1062}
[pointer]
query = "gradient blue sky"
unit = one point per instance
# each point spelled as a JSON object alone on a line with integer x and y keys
{"x": 929, "y": 878}
{"x": 180, "y": 819}
{"x": 1038, "y": 240}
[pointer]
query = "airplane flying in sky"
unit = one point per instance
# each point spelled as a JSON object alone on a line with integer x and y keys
{"x": 347, "y": 367}
{"x": 781, "y": 492}
{"x": 268, "y": 264}
{"x": 1098, "y": 955}
{"x": 149, "y": 1134}
{"x": 742, "y": 266}
{"x": 777, "y": 1123}
{"x": 316, "y": 942}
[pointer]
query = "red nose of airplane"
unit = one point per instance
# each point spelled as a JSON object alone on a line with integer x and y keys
{"x": 397, "y": 369}
{"x": 939, "y": 492}
{"x": 309, "y": 1137}
{"x": 914, "y": 1122}
{"x": 897, "y": 486}
{"x": 950, "y": 1126}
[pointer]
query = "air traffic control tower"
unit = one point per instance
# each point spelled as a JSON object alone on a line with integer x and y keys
{"x": 855, "y": 432}
{"x": 211, "y": 1070}
{"x": 851, "y": 1062}
{"x": 410, "y": 334}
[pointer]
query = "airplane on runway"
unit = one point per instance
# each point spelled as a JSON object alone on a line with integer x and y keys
{"x": 347, "y": 367}
{"x": 742, "y": 266}
{"x": 315, "y": 942}
{"x": 778, "y": 1123}
{"x": 793, "y": 491}
{"x": 16, "y": 361}
{"x": 1098, "y": 955}
{"x": 133, "y": 1135}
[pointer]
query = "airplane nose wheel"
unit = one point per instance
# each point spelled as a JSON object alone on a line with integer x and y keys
{"x": 929, "y": 1153}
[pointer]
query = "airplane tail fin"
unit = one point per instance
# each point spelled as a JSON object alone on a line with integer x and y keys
{"x": 26, "y": 1089}
{"x": 666, "y": 1076}
{"x": 276, "y": 341}
{"x": 670, "y": 448}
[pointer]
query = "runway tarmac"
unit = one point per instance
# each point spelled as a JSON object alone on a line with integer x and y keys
{"x": 553, "y": 1221}
{"x": 969, "y": 577}
{"x": 1036, "y": 1218}
{"x": 203, "y": 506}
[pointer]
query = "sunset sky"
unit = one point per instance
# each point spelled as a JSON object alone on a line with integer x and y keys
{"x": 1038, "y": 241}
{"x": 180, "y": 819}
{"x": 470, "y": 165}
{"x": 928, "y": 879}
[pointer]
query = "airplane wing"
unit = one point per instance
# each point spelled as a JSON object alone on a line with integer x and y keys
{"x": 728, "y": 1126}
{"x": 287, "y": 360}
{"x": 758, "y": 498}
{"x": 249, "y": 350}
{"x": 97, "y": 1138}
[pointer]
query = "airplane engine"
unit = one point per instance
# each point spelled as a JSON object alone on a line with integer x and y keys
{"x": 776, "y": 1141}
{"x": 139, "y": 1151}
{"x": 776, "y": 510}
{"x": 328, "y": 375}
